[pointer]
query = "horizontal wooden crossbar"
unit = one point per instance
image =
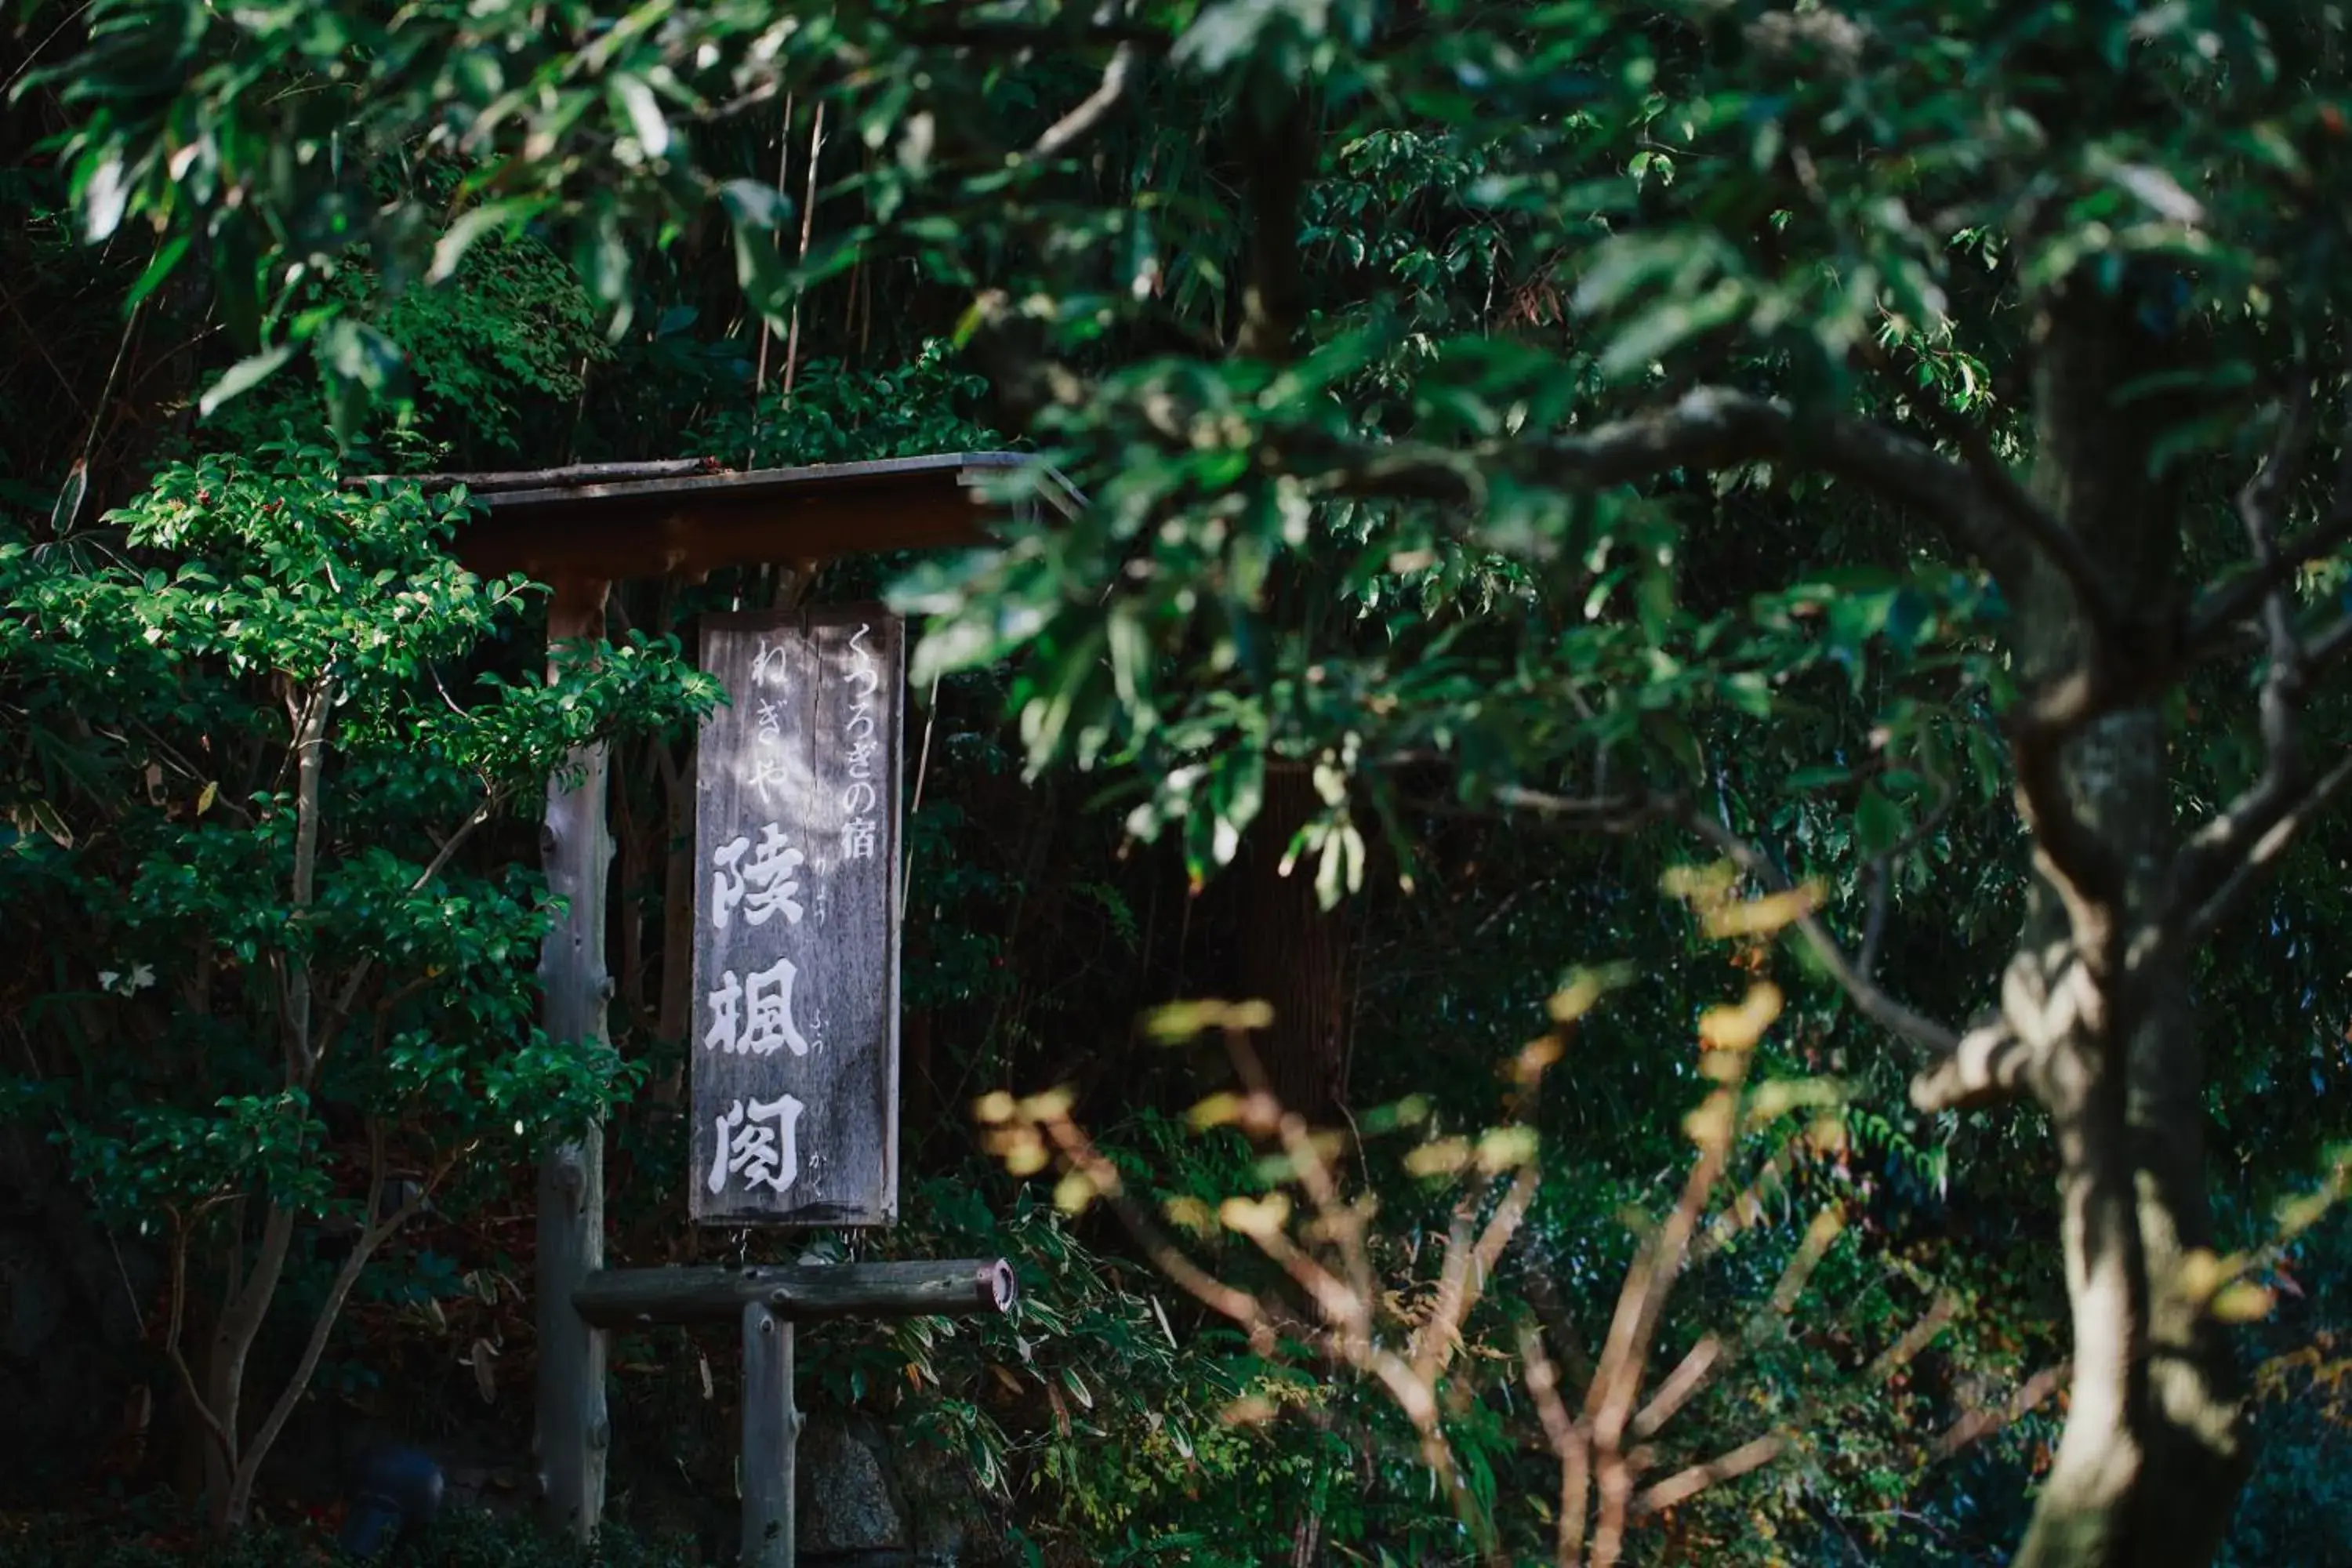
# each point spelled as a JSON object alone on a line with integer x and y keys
{"x": 619, "y": 1297}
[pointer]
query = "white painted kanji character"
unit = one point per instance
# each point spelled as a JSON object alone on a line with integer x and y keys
{"x": 768, "y": 1002}
{"x": 857, "y": 838}
{"x": 725, "y": 1015}
{"x": 764, "y": 888}
{"x": 754, "y": 1016}
{"x": 768, "y": 885}
{"x": 727, "y": 879}
{"x": 763, "y": 1147}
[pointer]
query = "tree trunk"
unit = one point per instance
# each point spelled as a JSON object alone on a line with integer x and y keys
{"x": 2154, "y": 1446}
{"x": 228, "y": 1497}
{"x": 194, "y": 1456}
{"x": 220, "y": 1397}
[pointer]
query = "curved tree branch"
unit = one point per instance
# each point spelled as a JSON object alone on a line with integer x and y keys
{"x": 1987, "y": 1066}
{"x": 2032, "y": 520}
{"x": 1089, "y": 111}
{"x": 1624, "y": 813}
{"x": 2083, "y": 868}
{"x": 2275, "y": 564}
{"x": 1881, "y": 872}
{"x": 1869, "y": 998}
{"x": 373, "y": 1232}
{"x": 2241, "y": 846}
{"x": 1706, "y": 427}
{"x": 2225, "y": 857}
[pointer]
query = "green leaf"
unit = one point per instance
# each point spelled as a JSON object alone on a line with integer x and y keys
{"x": 167, "y": 257}
{"x": 644, "y": 115}
{"x": 758, "y": 212}
{"x": 1675, "y": 737}
{"x": 103, "y": 194}
{"x": 1800, "y": 781}
{"x": 67, "y": 511}
{"x": 358, "y": 363}
{"x": 243, "y": 376}
{"x": 449, "y": 251}
{"x": 1878, "y": 822}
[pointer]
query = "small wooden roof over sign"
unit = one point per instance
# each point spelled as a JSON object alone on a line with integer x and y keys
{"x": 610, "y": 522}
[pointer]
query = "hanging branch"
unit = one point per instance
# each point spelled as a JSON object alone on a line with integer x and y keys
{"x": 759, "y": 370}
{"x": 808, "y": 227}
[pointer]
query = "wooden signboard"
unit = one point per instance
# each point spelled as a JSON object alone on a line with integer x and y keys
{"x": 795, "y": 1035}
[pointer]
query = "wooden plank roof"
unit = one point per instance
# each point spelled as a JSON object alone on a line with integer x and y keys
{"x": 613, "y": 521}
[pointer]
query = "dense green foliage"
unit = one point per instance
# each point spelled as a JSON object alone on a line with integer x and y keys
{"x": 1528, "y": 454}
{"x": 243, "y": 781}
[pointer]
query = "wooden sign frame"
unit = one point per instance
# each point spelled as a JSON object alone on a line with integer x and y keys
{"x": 795, "y": 1043}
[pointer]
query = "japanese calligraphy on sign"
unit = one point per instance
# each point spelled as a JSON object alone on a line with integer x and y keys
{"x": 795, "y": 1036}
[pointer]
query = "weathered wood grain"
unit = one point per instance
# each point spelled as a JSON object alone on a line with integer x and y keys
{"x": 771, "y": 1429}
{"x": 624, "y": 1298}
{"x": 794, "y": 1042}
{"x": 541, "y": 479}
{"x": 573, "y": 1434}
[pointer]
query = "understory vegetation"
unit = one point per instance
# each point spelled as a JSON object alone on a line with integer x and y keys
{"x": 1649, "y": 875}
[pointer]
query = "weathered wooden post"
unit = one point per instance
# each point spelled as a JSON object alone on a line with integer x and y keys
{"x": 573, "y": 1433}
{"x": 771, "y": 1431}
